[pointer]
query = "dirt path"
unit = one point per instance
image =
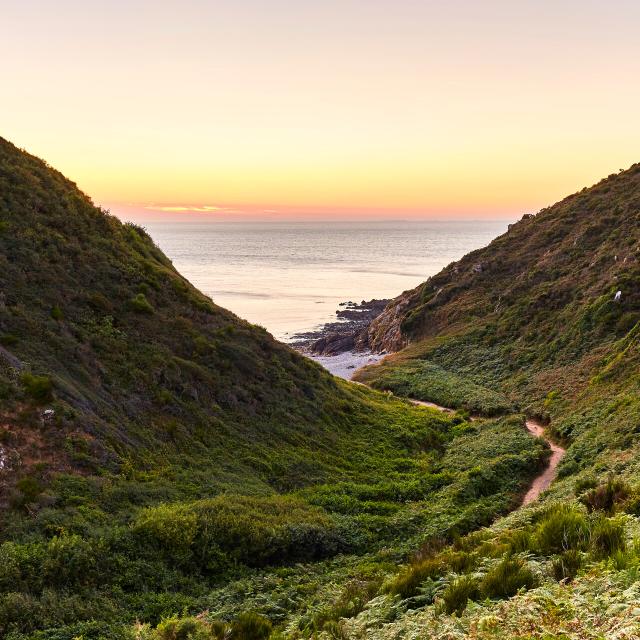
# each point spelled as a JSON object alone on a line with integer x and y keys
{"x": 542, "y": 481}
{"x": 433, "y": 405}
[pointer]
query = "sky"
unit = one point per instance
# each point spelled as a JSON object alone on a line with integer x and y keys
{"x": 333, "y": 109}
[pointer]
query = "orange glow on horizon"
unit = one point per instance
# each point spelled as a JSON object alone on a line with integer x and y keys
{"x": 350, "y": 109}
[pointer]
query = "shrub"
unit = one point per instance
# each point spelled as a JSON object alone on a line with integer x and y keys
{"x": 350, "y": 603}
{"x": 30, "y": 488}
{"x": 607, "y": 537}
{"x": 632, "y": 504}
{"x": 606, "y": 496}
{"x": 506, "y": 578}
{"x": 250, "y": 626}
{"x": 458, "y": 593}
{"x": 188, "y": 628}
{"x": 71, "y": 561}
{"x": 567, "y": 565}
{"x": 407, "y": 583}
{"x": 584, "y": 483}
{"x": 518, "y": 540}
{"x": 39, "y": 388}
{"x": 232, "y": 528}
{"x": 561, "y": 528}
{"x": 140, "y": 304}
{"x": 171, "y": 527}
{"x": 56, "y": 312}
{"x": 459, "y": 561}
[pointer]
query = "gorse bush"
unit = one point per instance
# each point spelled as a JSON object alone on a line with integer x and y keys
{"x": 29, "y": 488}
{"x": 39, "y": 388}
{"x": 247, "y": 626}
{"x": 56, "y": 312}
{"x": 607, "y": 496}
{"x": 458, "y": 593}
{"x": 233, "y": 528}
{"x": 459, "y": 561}
{"x": 351, "y": 602}
{"x": 607, "y": 537}
{"x": 561, "y": 528}
{"x": 407, "y": 583}
{"x": 507, "y": 577}
{"x": 176, "y": 628}
{"x": 567, "y": 564}
{"x": 140, "y": 304}
{"x": 518, "y": 540}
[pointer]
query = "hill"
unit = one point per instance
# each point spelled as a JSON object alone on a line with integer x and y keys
{"x": 544, "y": 320}
{"x": 532, "y": 313}
{"x": 156, "y": 451}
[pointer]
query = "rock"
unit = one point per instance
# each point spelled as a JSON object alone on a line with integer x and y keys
{"x": 347, "y": 334}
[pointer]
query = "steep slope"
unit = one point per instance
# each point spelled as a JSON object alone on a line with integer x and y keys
{"x": 139, "y": 363}
{"x": 155, "y": 447}
{"x": 532, "y": 312}
{"x": 546, "y": 318}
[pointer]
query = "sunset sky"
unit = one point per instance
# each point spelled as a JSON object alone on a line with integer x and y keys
{"x": 345, "y": 108}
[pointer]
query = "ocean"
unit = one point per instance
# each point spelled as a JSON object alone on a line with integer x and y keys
{"x": 290, "y": 277}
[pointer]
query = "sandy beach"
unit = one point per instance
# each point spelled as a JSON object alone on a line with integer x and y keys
{"x": 344, "y": 365}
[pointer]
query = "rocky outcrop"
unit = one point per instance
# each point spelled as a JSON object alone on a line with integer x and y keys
{"x": 384, "y": 333}
{"x": 349, "y": 333}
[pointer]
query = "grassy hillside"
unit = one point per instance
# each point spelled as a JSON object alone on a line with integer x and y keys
{"x": 159, "y": 455}
{"x": 532, "y": 322}
{"x": 532, "y": 313}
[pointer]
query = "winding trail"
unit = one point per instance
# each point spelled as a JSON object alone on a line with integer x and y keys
{"x": 542, "y": 481}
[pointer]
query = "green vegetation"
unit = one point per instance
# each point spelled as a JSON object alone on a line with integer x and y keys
{"x": 38, "y": 388}
{"x": 425, "y": 380}
{"x": 170, "y": 472}
{"x": 165, "y": 458}
{"x": 532, "y": 320}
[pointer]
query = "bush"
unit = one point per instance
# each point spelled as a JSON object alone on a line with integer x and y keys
{"x": 407, "y": 583}
{"x": 231, "y": 528}
{"x": 39, "y": 388}
{"x": 506, "y": 578}
{"x": 140, "y": 304}
{"x": 350, "y": 603}
{"x": 56, "y": 312}
{"x": 250, "y": 626}
{"x": 8, "y": 339}
{"x": 567, "y": 565}
{"x": 458, "y": 593}
{"x": 189, "y": 628}
{"x": 518, "y": 540}
{"x": 606, "y": 496}
{"x": 632, "y": 504}
{"x": 584, "y": 483}
{"x": 561, "y": 528}
{"x": 459, "y": 561}
{"x": 29, "y": 489}
{"x": 171, "y": 527}
{"x": 607, "y": 537}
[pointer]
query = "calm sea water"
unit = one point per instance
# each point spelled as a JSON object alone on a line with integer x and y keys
{"x": 289, "y": 277}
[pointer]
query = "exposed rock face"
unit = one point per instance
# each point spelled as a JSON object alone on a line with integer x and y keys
{"x": 350, "y": 333}
{"x": 384, "y": 333}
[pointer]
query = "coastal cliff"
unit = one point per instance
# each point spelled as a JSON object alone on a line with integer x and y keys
{"x": 551, "y": 273}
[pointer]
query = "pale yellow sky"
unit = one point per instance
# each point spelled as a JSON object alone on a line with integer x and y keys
{"x": 427, "y": 109}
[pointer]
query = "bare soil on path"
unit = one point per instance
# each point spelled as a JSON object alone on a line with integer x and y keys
{"x": 543, "y": 480}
